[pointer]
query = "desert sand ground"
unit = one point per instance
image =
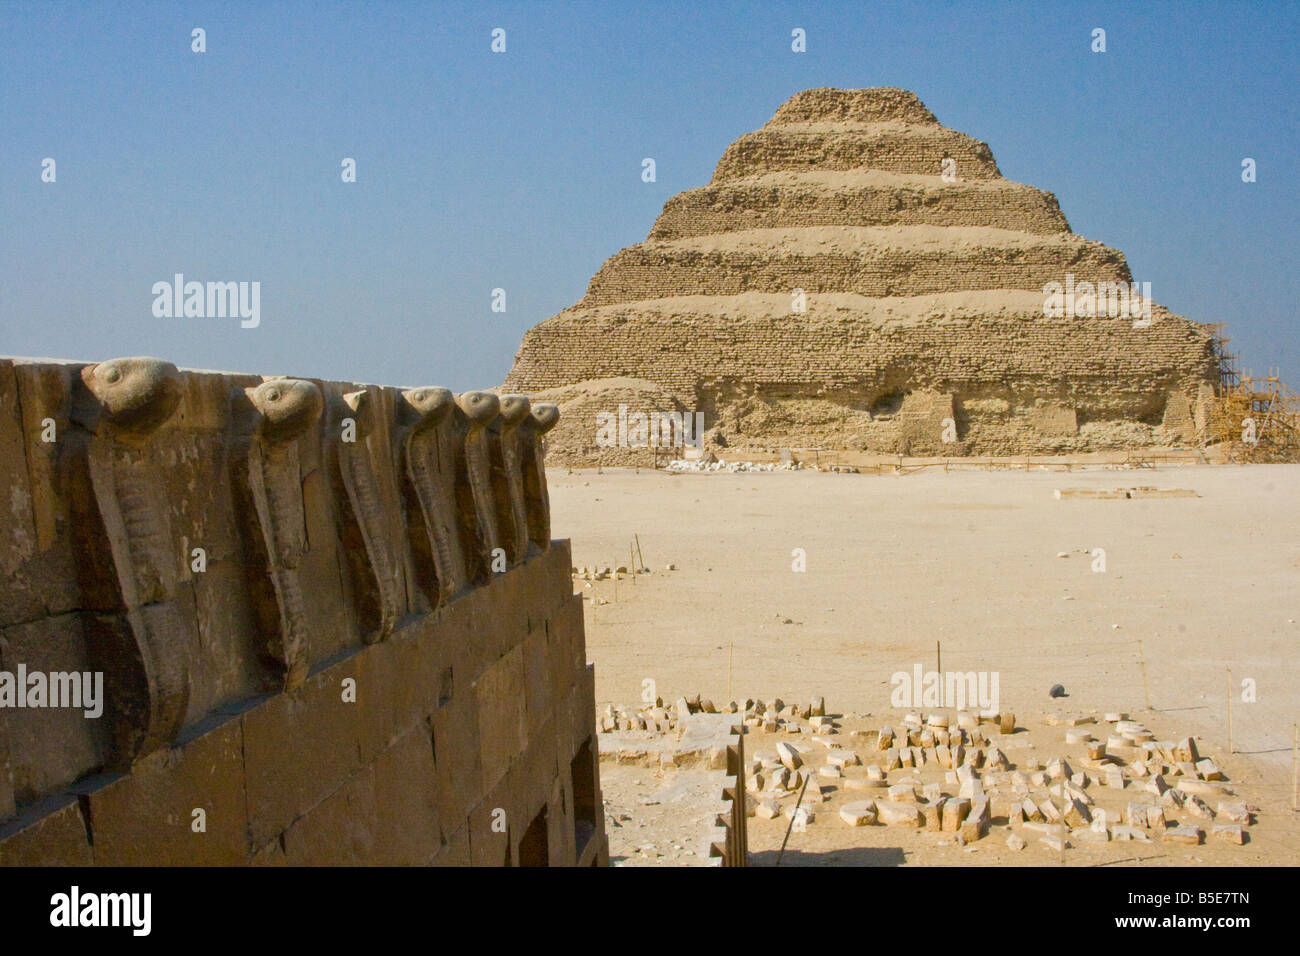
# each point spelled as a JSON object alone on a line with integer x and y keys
{"x": 969, "y": 560}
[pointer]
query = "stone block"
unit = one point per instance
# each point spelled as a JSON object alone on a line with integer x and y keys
{"x": 51, "y": 832}
{"x": 299, "y": 747}
{"x": 1231, "y": 834}
{"x": 897, "y": 814}
{"x": 148, "y": 817}
{"x": 859, "y": 813}
{"x": 1184, "y": 835}
{"x": 954, "y": 812}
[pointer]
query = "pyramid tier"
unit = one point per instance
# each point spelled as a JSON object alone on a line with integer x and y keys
{"x": 856, "y": 198}
{"x": 861, "y": 106}
{"x": 855, "y": 349}
{"x": 891, "y": 146}
{"x": 871, "y": 261}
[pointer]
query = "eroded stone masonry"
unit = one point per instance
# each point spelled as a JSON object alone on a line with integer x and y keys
{"x": 925, "y": 330}
{"x": 330, "y": 624}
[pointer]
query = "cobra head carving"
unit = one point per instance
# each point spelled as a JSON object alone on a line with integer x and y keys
{"x": 545, "y": 416}
{"x": 426, "y": 407}
{"x": 288, "y": 407}
{"x": 479, "y": 407}
{"x": 134, "y": 395}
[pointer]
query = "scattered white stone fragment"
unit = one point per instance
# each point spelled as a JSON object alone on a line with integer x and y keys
{"x": 842, "y": 758}
{"x": 1076, "y": 814}
{"x": 788, "y": 755}
{"x": 976, "y": 822}
{"x": 795, "y": 814}
{"x": 902, "y": 793}
{"x": 1234, "y": 812}
{"x": 1185, "y": 751}
{"x": 860, "y": 813}
{"x": 898, "y": 814}
{"x": 1184, "y": 835}
{"x": 1208, "y": 770}
{"x": 953, "y": 813}
{"x": 1128, "y": 833}
{"x": 1230, "y": 834}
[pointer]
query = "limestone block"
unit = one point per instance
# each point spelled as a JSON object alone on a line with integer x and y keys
{"x": 898, "y": 814}
{"x": 1184, "y": 835}
{"x": 859, "y": 813}
{"x": 1231, "y": 834}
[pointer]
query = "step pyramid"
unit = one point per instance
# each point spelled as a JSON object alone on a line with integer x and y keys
{"x": 858, "y": 276}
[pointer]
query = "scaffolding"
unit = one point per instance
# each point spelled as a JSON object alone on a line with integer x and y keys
{"x": 1251, "y": 419}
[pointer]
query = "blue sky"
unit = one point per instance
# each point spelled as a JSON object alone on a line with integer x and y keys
{"x": 522, "y": 170}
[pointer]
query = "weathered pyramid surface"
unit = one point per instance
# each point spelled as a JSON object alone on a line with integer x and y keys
{"x": 922, "y": 271}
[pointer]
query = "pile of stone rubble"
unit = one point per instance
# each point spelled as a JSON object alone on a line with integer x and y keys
{"x": 987, "y": 768}
{"x": 1171, "y": 785}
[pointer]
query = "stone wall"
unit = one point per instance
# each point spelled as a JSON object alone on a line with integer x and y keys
{"x": 721, "y": 738}
{"x": 330, "y": 623}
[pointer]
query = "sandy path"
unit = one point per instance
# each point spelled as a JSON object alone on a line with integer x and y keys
{"x": 895, "y": 564}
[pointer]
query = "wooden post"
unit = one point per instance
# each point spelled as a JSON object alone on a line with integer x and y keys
{"x": 631, "y": 561}
{"x": 1295, "y": 762}
{"x": 1064, "y": 805}
{"x": 793, "y": 813}
{"x": 1146, "y": 689}
{"x": 731, "y": 657}
{"x": 615, "y": 570}
{"x": 639, "y": 556}
{"x": 938, "y": 660}
{"x": 1230, "y": 750}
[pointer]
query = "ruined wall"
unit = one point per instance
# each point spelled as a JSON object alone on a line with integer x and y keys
{"x": 722, "y": 738}
{"x": 330, "y": 623}
{"x": 921, "y": 270}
